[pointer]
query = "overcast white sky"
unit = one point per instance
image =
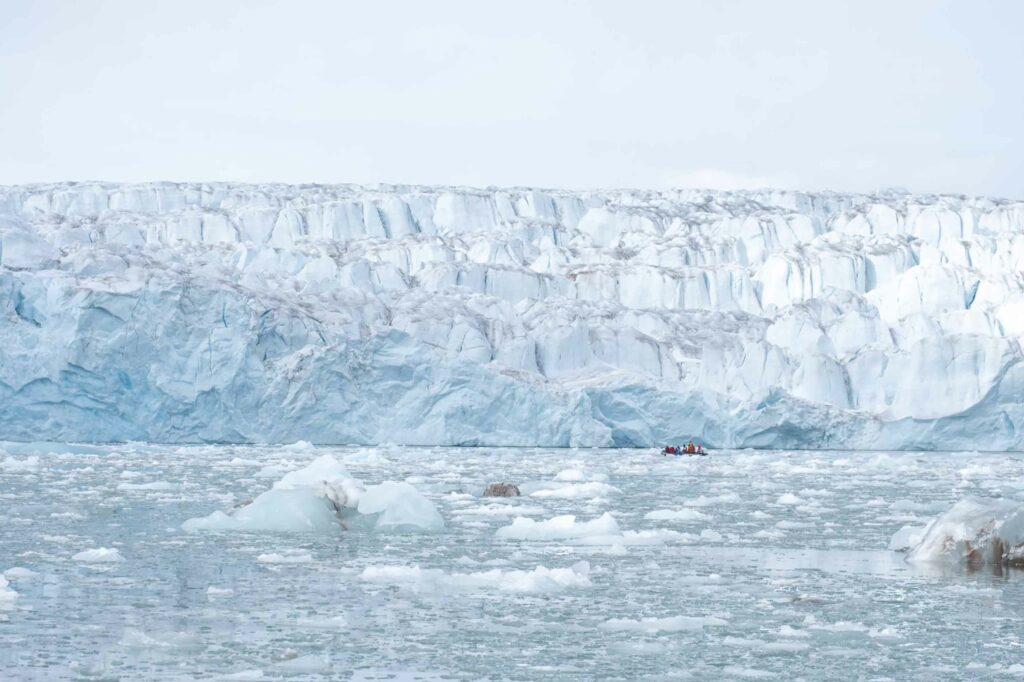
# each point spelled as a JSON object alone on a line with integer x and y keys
{"x": 812, "y": 95}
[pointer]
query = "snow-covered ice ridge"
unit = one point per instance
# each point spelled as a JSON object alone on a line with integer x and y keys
{"x": 436, "y": 315}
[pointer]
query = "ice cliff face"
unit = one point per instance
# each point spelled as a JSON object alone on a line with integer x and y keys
{"x": 344, "y": 314}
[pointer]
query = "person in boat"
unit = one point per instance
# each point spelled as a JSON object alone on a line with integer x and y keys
{"x": 668, "y": 450}
{"x": 690, "y": 448}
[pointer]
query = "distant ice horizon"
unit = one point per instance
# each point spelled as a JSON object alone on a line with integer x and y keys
{"x": 575, "y": 189}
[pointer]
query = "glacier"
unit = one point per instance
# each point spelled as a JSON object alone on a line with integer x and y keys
{"x": 214, "y": 312}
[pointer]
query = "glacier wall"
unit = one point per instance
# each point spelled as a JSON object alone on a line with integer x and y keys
{"x": 436, "y": 315}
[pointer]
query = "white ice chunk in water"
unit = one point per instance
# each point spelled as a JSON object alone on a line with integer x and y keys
{"x": 13, "y": 464}
{"x": 499, "y": 510}
{"x": 558, "y": 528}
{"x": 400, "y": 505}
{"x": 19, "y": 573}
{"x": 682, "y": 515}
{"x": 323, "y": 468}
{"x": 100, "y": 555}
{"x": 308, "y": 499}
{"x": 573, "y": 490}
{"x": 975, "y": 531}
{"x": 669, "y": 624}
{"x": 603, "y": 530}
{"x": 539, "y": 580}
{"x": 576, "y": 475}
{"x": 288, "y": 510}
{"x": 632, "y": 538}
{"x": 316, "y": 497}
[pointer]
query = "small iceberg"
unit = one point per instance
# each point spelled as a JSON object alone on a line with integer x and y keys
{"x": 399, "y": 505}
{"x": 976, "y": 531}
{"x": 322, "y": 497}
{"x": 100, "y": 555}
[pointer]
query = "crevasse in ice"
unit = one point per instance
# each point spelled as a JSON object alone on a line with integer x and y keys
{"x": 439, "y": 315}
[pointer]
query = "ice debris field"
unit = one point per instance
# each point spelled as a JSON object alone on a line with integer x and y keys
{"x": 157, "y": 562}
{"x": 430, "y": 315}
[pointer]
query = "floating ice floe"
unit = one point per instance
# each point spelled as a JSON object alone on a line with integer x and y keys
{"x": 603, "y": 530}
{"x": 574, "y": 490}
{"x": 559, "y": 528}
{"x": 539, "y": 580}
{"x": 682, "y": 515}
{"x": 400, "y": 505}
{"x": 975, "y": 531}
{"x": 100, "y": 555}
{"x": 274, "y": 510}
{"x": 322, "y": 497}
{"x": 19, "y": 573}
{"x": 576, "y": 475}
{"x": 499, "y": 510}
{"x": 669, "y": 624}
{"x": 15, "y": 465}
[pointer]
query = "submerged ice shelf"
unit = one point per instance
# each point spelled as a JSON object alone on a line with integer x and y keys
{"x": 432, "y": 315}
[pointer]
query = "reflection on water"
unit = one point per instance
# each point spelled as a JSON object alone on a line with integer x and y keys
{"x": 775, "y": 565}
